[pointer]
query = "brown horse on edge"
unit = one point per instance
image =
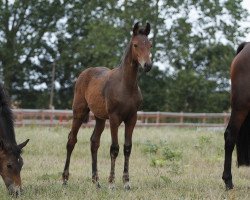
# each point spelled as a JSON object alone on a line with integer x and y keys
{"x": 114, "y": 95}
{"x": 238, "y": 129}
{"x": 11, "y": 161}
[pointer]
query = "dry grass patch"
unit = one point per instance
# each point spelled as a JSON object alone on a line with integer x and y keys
{"x": 166, "y": 163}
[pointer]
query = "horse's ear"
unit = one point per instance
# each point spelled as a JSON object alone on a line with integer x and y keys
{"x": 147, "y": 29}
{"x": 23, "y": 144}
{"x": 136, "y": 28}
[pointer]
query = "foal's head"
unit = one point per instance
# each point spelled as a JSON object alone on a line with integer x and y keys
{"x": 11, "y": 164}
{"x": 141, "y": 46}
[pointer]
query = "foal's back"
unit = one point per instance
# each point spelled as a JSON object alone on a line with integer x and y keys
{"x": 89, "y": 90}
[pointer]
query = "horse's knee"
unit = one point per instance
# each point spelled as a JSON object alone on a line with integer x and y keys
{"x": 127, "y": 150}
{"x": 114, "y": 150}
{"x": 230, "y": 139}
{"x": 72, "y": 140}
{"x": 94, "y": 144}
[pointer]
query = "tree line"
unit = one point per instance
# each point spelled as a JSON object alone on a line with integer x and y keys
{"x": 193, "y": 44}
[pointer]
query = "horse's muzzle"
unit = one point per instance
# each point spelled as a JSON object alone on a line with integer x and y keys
{"x": 147, "y": 67}
{"x": 15, "y": 191}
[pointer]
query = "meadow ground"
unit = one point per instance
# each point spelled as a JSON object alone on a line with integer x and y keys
{"x": 166, "y": 163}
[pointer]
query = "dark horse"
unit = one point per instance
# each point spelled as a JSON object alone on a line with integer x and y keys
{"x": 238, "y": 129}
{"x": 114, "y": 95}
{"x": 11, "y": 161}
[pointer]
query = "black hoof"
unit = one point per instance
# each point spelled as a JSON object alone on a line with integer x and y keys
{"x": 98, "y": 186}
{"x": 65, "y": 182}
{"x": 229, "y": 185}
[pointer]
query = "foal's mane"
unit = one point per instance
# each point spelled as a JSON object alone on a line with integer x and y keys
{"x": 6, "y": 120}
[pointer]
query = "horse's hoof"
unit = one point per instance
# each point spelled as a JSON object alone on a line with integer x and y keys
{"x": 111, "y": 186}
{"x": 127, "y": 186}
{"x": 65, "y": 182}
{"x": 98, "y": 186}
{"x": 229, "y": 185}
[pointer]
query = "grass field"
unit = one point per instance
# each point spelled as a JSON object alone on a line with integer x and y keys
{"x": 166, "y": 163}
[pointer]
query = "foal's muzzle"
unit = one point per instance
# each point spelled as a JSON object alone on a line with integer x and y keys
{"x": 147, "y": 67}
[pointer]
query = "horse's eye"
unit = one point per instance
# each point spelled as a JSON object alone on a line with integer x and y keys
{"x": 9, "y": 166}
{"x": 135, "y": 45}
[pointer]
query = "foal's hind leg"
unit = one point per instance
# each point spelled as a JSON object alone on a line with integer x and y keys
{"x": 129, "y": 127}
{"x": 80, "y": 115}
{"x": 236, "y": 120}
{"x": 95, "y": 143}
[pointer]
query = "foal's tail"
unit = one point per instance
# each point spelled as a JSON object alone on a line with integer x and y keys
{"x": 240, "y": 47}
{"x": 243, "y": 143}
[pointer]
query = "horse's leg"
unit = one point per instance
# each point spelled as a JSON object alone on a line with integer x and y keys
{"x": 129, "y": 127}
{"x": 114, "y": 148}
{"x": 236, "y": 120}
{"x": 95, "y": 143}
{"x": 80, "y": 115}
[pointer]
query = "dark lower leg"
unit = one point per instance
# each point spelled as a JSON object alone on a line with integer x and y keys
{"x": 95, "y": 143}
{"x": 126, "y": 151}
{"x": 94, "y": 149}
{"x": 114, "y": 150}
{"x": 70, "y": 146}
{"x": 72, "y": 140}
{"x": 227, "y": 174}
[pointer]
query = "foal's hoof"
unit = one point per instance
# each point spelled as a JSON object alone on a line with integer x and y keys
{"x": 229, "y": 185}
{"x": 98, "y": 186}
{"x": 127, "y": 186}
{"x": 111, "y": 186}
{"x": 65, "y": 182}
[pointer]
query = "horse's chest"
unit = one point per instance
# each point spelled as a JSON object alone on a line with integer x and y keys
{"x": 125, "y": 104}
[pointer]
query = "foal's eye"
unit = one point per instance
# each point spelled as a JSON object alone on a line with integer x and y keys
{"x": 9, "y": 166}
{"x": 135, "y": 45}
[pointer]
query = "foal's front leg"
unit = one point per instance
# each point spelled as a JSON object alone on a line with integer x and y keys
{"x": 129, "y": 127}
{"x": 114, "y": 148}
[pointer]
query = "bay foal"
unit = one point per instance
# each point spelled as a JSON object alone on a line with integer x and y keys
{"x": 114, "y": 95}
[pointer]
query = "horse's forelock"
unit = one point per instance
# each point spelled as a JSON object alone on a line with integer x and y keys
{"x": 12, "y": 149}
{"x": 142, "y": 31}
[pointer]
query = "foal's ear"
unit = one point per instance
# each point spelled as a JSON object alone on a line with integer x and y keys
{"x": 136, "y": 28}
{"x": 147, "y": 29}
{"x": 23, "y": 144}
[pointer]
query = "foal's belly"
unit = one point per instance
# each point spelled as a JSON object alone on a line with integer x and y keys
{"x": 95, "y": 99}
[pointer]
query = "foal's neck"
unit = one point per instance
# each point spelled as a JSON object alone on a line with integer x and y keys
{"x": 129, "y": 69}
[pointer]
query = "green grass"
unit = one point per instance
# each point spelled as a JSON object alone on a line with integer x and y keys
{"x": 189, "y": 164}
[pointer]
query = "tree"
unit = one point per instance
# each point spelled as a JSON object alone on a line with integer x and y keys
{"x": 191, "y": 92}
{"x": 153, "y": 86}
{"x": 23, "y": 29}
{"x": 194, "y": 39}
{"x": 200, "y": 51}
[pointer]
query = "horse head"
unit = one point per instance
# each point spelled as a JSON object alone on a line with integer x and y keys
{"x": 11, "y": 164}
{"x": 141, "y": 46}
